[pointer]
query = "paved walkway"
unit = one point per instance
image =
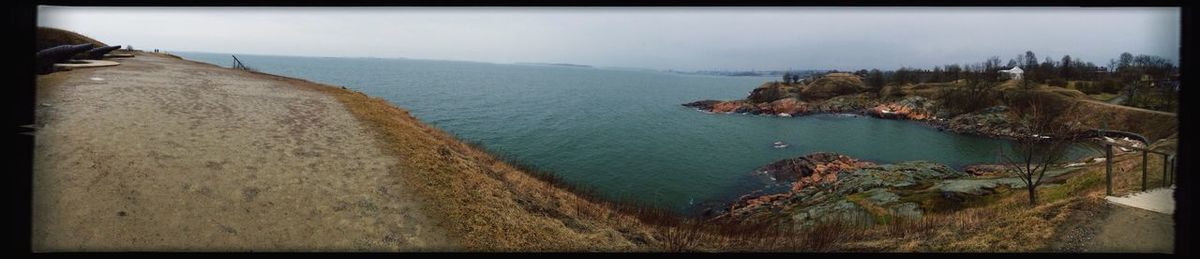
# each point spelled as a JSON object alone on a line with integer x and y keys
{"x": 1161, "y": 200}
{"x": 1137, "y": 223}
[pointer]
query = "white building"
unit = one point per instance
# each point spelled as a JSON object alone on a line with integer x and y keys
{"x": 1014, "y": 73}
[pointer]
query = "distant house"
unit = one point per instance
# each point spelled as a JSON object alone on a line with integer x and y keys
{"x": 1014, "y": 73}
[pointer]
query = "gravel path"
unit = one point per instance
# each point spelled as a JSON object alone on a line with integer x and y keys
{"x": 163, "y": 154}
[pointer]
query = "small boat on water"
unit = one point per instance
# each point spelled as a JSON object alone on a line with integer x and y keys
{"x": 780, "y": 144}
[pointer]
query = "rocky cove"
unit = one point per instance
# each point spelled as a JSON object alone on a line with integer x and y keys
{"x": 845, "y": 93}
{"x": 825, "y": 185}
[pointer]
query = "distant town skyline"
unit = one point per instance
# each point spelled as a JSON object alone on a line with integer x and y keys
{"x": 668, "y": 38}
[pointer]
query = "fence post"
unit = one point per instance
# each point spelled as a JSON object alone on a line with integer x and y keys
{"x": 237, "y": 64}
{"x": 1108, "y": 168}
{"x": 1145, "y": 161}
{"x": 1174, "y": 168}
{"x": 1165, "y": 166}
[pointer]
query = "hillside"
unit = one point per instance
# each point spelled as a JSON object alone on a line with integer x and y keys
{"x": 844, "y": 93}
{"x": 161, "y": 152}
{"x": 51, "y": 37}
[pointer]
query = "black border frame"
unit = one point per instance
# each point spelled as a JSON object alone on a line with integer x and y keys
{"x": 20, "y": 106}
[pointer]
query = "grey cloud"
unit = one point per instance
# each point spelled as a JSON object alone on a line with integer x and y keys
{"x": 660, "y": 38}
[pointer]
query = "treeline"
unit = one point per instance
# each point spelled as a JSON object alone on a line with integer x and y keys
{"x": 1147, "y": 81}
{"x": 1056, "y": 72}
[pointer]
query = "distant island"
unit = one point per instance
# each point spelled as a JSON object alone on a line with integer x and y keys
{"x": 804, "y": 73}
{"x": 554, "y": 64}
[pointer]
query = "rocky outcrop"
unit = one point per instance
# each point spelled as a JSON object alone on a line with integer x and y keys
{"x": 969, "y": 188}
{"x": 829, "y": 185}
{"x": 789, "y": 106}
{"x": 909, "y": 108}
{"x": 826, "y": 186}
{"x": 993, "y": 121}
{"x": 837, "y": 92}
{"x": 727, "y": 106}
{"x": 856, "y": 103}
{"x": 841, "y": 93}
{"x": 706, "y": 105}
{"x": 985, "y": 170}
{"x": 774, "y": 91}
{"x": 811, "y": 169}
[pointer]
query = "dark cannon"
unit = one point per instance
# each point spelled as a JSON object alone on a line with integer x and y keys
{"x": 97, "y": 53}
{"x": 47, "y": 57}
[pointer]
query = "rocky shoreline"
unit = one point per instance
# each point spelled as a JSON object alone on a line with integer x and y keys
{"x": 846, "y": 93}
{"x": 823, "y": 186}
{"x": 991, "y": 122}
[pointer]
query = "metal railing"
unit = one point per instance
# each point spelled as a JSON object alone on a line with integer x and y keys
{"x": 1168, "y": 171}
{"x": 237, "y": 64}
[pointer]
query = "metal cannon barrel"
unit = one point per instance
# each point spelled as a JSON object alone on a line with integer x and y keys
{"x": 98, "y": 53}
{"x": 47, "y": 57}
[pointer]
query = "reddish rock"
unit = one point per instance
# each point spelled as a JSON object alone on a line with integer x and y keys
{"x": 726, "y": 106}
{"x": 814, "y": 168}
{"x": 786, "y": 105}
{"x": 897, "y": 111}
{"x": 801, "y": 172}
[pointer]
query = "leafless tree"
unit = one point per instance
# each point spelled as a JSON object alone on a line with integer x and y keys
{"x": 1045, "y": 133}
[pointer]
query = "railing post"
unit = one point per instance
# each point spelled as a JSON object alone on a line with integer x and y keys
{"x": 1108, "y": 168}
{"x": 1174, "y": 168}
{"x": 1165, "y": 166}
{"x": 1145, "y": 162}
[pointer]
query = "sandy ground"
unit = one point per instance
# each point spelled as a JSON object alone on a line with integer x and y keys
{"x": 162, "y": 154}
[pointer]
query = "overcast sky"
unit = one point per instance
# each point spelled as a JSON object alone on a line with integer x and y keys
{"x": 658, "y": 38}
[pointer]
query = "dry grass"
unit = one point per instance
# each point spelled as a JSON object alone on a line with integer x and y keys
{"x": 1152, "y": 124}
{"x": 51, "y": 37}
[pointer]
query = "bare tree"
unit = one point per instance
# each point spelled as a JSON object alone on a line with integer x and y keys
{"x": 1045, "y": 133}
{"x": 876, "y": 80}
{"x": 977, "y": 91}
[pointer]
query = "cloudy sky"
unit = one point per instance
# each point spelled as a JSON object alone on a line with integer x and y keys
{"x": 677, "y": 38}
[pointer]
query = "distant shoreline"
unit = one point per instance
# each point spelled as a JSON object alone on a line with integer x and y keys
{"x": 554, "y": 64}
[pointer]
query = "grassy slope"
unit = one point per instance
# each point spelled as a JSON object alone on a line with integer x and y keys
{"x": 1096, "y": 114}
{"x": 488, "y": 204}
{"x": 1103, "y": 97}
{"x": 51, "y": 37}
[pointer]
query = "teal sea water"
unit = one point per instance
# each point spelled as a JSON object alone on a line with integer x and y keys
{"x": 621, "y": 132}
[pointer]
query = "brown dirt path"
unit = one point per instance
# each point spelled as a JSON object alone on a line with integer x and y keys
{"x": 1115, "y": 228}
{"x": 163, "y": 154}
{"x": 1133, "y": 230}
